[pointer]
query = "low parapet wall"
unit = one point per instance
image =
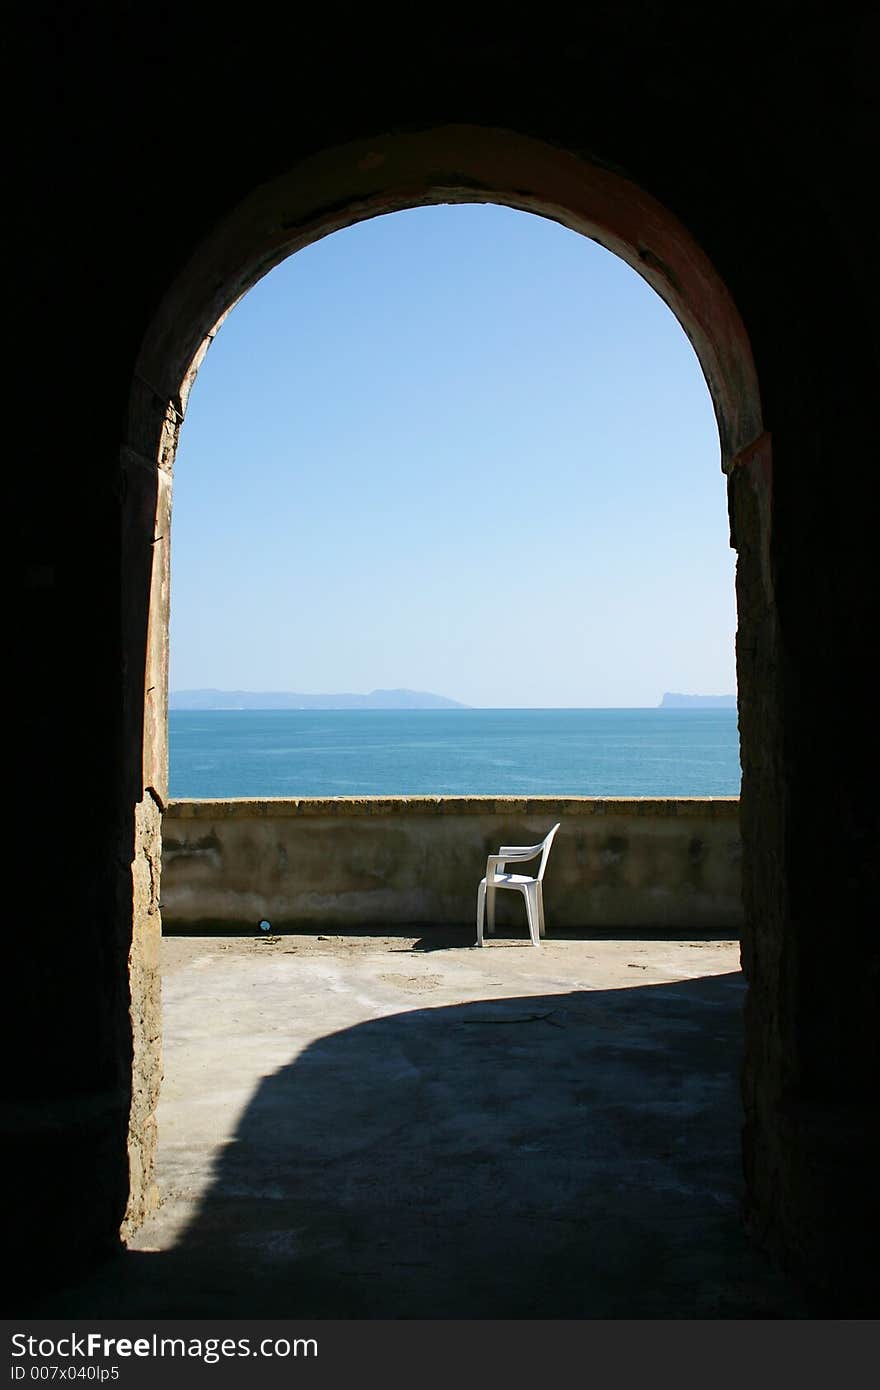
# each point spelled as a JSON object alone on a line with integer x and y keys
{"x": 342, "y": 862}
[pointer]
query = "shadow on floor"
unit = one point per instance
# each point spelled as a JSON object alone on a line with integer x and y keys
{"x": 570, "y": 1155}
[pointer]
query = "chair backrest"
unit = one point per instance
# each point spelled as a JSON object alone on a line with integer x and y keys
{"x": 545, "y": 850}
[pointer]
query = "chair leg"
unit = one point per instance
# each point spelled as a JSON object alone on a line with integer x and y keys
{"x": 481, "y": 902}
{"x": 532, "y": 912}
{"x": 539, "y": 895}
{"x": 490, "y": 910}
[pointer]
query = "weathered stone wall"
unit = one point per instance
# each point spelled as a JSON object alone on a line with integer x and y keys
{"x": 145, "y": 1011}
{"x": 336, "y": 862}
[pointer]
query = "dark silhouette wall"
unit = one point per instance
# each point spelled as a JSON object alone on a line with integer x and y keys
{"x": 139, "y": 133}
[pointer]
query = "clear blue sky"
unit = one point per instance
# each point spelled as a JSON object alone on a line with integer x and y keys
{"x": 458, "y": 449}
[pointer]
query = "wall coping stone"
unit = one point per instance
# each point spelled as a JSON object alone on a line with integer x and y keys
{"x": 228, "y": 808}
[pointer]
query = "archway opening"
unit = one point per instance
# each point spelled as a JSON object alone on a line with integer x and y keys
{"x": 420, "y": 170}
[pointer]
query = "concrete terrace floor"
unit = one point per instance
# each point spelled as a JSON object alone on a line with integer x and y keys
{"x": 399, "y": 1126}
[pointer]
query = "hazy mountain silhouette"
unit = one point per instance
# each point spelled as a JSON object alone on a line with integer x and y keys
{"x": 285, "y": 699}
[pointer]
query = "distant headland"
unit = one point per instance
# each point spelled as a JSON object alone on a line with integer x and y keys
{"x": 672, "y": 700}
{"x": 285, "y": 699}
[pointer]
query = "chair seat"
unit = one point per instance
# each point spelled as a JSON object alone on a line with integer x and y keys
{"x": 511, "y": 880}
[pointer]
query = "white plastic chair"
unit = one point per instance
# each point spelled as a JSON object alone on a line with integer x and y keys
{"x": 496, "y": 877}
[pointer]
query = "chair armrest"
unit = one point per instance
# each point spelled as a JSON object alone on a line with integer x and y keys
{"x": 512, "y": 855}
{"x": 521, "y": 851}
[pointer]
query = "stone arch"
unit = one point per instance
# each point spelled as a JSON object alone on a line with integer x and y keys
{"x": 325, "y": 193}
{"x": 454, "y": 164}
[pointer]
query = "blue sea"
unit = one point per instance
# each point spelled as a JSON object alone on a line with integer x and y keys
{"x": 467, "y": 752}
